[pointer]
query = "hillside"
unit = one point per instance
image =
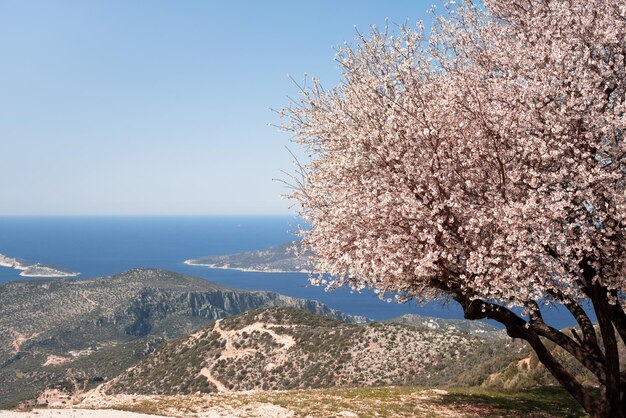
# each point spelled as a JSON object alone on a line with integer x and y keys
{"x": 100, "y": 327}
{"x": 155, "y": 332}
{"x": 285, "y": 348}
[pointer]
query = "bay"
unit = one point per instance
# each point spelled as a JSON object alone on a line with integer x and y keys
{"x": 103, "y": 246}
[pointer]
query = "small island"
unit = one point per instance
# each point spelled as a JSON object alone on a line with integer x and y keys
{"x": 276, "y": 259}
{"x": 34, "y": 270}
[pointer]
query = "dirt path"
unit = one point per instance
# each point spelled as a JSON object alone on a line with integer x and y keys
{"x": 83, "y": 294}
{"x": 230, "y": 351}
{"x": 206, "y": 372}
{"x": 19, "y": 341}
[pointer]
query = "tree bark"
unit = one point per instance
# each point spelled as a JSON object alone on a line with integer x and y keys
{"x": 612, "y": 395}
{"x": 610, "y": 388}
{"x": 618, "y": 316}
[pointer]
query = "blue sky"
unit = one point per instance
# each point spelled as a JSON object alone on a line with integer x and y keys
{"x": 160, "y": 107}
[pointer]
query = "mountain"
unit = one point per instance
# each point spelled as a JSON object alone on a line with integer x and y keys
{"x": 275, "y": 259}
{"x": 151, "y": 331}
{"x": 97, "y": 328}
{"x": 287, "y": 348}
{"x": 325, "y": 367}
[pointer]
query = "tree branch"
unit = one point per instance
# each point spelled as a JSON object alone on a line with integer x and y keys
{"x": 592, "y": 360}
{"x": 518, "y": 328}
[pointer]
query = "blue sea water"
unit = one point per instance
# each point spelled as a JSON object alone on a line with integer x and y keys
{"x": 102, "y": 246}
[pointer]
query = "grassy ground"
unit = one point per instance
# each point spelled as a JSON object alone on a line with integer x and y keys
{"x": 377, "y": 402}
{"x": 540, "y": 402}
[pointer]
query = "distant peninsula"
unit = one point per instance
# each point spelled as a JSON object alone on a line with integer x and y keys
{"x": 276, "y": 259}
{"x": 34, "y": 270}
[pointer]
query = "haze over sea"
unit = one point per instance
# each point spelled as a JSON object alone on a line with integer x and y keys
{"x": 103, "y": 246}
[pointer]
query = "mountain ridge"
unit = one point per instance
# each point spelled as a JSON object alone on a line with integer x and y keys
{"x": 74, "y": 334}
{"x": 99, "y": 327}
{"x": 283, "y": 348}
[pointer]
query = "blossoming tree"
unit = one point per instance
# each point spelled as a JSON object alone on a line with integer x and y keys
{"x": 484, "y": 162}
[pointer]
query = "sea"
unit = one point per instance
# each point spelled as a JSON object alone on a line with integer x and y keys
{"x": 105, "y": 246}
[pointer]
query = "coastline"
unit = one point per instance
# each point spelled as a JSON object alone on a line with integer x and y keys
{"x": 53, "y": 275}
{"x": 16, "y": 264}
{"x": 247, "y": 270}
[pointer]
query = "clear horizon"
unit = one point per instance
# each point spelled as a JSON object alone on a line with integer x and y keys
{"x": 160, "y": 108}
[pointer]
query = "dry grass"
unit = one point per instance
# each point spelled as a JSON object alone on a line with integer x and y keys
{"x": 369, "y": 402}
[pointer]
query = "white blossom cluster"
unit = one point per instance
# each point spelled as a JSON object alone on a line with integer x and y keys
{"x": 486, "y": 156}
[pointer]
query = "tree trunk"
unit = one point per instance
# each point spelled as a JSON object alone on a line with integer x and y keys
{"x": 611, "y": 391}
